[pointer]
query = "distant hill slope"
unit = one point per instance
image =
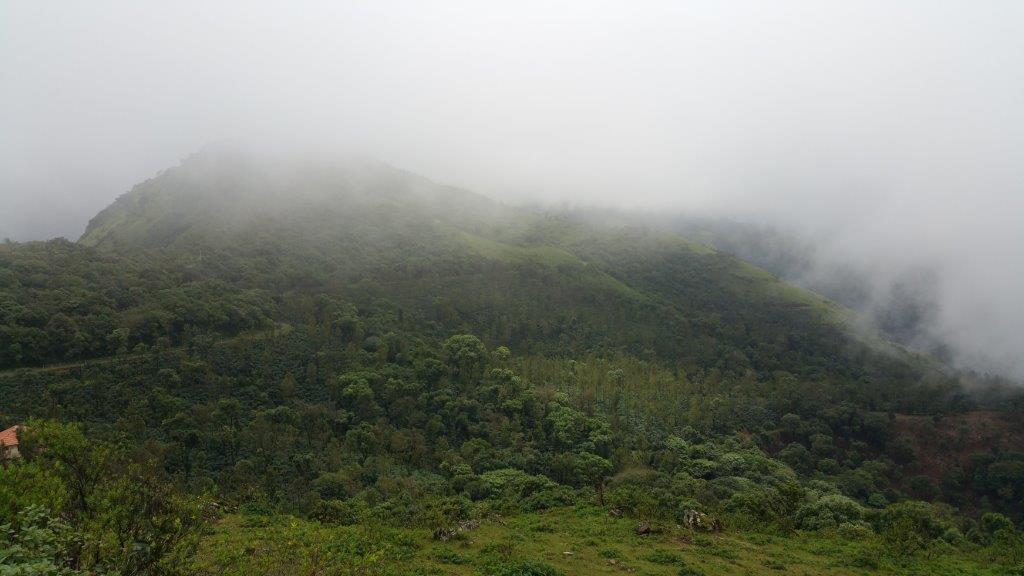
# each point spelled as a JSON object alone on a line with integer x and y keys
{"x": 458, "y": 261}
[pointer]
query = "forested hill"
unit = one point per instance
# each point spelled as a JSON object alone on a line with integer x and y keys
{"x": 354, "y": 344}
{"x": 517, "y": 277}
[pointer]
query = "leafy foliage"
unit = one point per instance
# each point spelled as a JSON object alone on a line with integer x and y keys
{"x": 108, "y": 514}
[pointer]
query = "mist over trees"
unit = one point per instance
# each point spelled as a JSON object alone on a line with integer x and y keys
{"x": 525, "y": 289}
{"x": 890, "y": 155}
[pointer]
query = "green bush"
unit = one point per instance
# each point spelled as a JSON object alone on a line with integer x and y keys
{"x": 855, "y": 530}
{"x": 927, "y": 520}
{"x": 766, "y": 504}
{"x": 552, "y": 497}
{"x": 124, "y": 517}
{"x": 341, "y": 512}
{"x": 993, "y": 522}
{"x": 828, "y": 511}
{"x": 877, "y": 500}
{"x": 953, "y": 536}
{"x": 36, "y": 544}
{"x": 515, "y": 490}
{"x": 908, "y": 527}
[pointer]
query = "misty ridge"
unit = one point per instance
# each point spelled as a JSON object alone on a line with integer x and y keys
{"x": 235, "y": 186}
{"x": 878, "y": 171}
{"x": 908, "y": 302}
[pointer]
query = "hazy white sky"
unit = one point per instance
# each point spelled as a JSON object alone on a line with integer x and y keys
{"x": 894, "y": 128}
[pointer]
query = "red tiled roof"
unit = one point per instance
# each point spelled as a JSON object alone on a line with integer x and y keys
{"x": 9, "y": 437}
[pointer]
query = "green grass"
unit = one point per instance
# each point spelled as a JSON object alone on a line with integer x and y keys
{"x": 545, "y": 255}
{"x": 753, "y": 282}
{"x": 565, "y": 541}
{"x": 678, "y": 242}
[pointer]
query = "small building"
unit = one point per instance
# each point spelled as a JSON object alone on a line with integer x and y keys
{"x": 9, "y": 444}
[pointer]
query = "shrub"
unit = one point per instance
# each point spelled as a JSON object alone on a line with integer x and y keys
{"x": 953, "y": 536}
{"x": 335, "y": 485}
{"x": 798, "y": 457}
{"x": 514, "y": 482}
{"x": 36, "y": 544}
{"x": 924, "y": 519}
{"x": 549, "y": 498}
{"x": 828, "y": 466}
{"x": 340, "y": 512}
{"x": 908, "y": 527}
{"x": 517, "y": 490}
{"x": 828, "y": 511}
{"x": 1008, "y": 545}
{"x": 993, "y": 522}
{"x": 107, "y": 499}
{"x": 922, "y": 487}
{"x": 766, "y": 504}
{"x": 855, "y": 530}
{"x": 634, "y": 501}
{"x": 878, "y": 500}
{"x": 901, "y": 537}
{"x": 436, "y": 510}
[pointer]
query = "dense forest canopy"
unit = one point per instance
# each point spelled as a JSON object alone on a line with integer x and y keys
{"x": 351, "y": 343}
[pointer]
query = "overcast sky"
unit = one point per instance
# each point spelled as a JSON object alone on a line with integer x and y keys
{"x": 892, "y": 130}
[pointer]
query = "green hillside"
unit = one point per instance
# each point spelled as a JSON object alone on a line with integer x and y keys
{"x": 511, "y": 276}
{"x": 247, "y": 349}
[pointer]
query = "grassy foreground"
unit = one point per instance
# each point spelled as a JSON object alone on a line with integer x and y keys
{"x": 564, "y": 541}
